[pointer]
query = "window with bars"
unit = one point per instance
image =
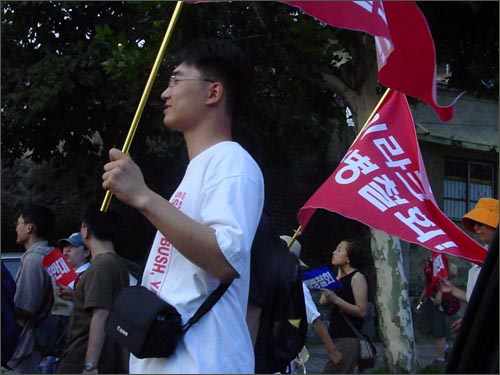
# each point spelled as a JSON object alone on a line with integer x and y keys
{"x": 465, "y": 181}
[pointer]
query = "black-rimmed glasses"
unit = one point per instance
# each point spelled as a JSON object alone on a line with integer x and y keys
{"x": 174, "y": 80}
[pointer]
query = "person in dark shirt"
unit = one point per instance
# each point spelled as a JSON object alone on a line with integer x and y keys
{"x": 88, "y": 350}
{"x": 352, "y": 299}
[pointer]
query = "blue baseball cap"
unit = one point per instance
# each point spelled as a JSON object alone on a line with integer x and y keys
{"x": 75, "y": 240}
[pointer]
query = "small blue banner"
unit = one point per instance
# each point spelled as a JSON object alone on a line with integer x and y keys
{"x": 321, "y": 277}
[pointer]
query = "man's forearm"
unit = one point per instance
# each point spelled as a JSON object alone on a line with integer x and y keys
{"x": 459, "y": 293}
{"x": 96, "y": 335}
{"x": 334, "y": 355}
{"x": 197, "y": 242}
{"x": 323, "y": 334}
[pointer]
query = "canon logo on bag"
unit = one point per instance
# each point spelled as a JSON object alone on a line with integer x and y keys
{"x": 122, "y": 331}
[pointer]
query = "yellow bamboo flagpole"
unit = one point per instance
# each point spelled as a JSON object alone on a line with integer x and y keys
{"x": 294, "y": 237}
{"x": 382, "y": 99}
{"x": 145, "y": 94}
{"x": 297, "y": 231}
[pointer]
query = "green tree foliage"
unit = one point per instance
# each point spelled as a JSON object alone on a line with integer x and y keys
{"x": 73, "y": 73}
{"x": 56, "y": 92}
{"x": 466, "y": 37}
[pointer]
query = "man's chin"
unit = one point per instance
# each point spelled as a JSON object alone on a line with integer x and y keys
{"x": 170, "y": 126}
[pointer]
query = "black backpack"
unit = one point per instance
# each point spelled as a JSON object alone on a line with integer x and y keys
{"x": 287, "y": 315}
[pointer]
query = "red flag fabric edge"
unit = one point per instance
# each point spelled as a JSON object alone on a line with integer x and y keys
{"x": 409, "y": 64}
{"x": 452, "y": 241}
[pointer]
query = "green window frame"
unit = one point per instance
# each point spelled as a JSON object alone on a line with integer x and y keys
{"x": 465, "y": 181}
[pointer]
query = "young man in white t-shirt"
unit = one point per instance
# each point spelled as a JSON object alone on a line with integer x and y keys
{"x": 206, "y": 230}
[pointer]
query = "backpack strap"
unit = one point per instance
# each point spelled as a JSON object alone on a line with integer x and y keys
{"x": 207, "y": 305}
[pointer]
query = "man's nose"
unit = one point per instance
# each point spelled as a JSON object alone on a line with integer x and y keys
{"x": 164, "y": 95}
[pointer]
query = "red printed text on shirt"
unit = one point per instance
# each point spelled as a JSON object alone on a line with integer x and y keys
{"x": 163, "y": 252}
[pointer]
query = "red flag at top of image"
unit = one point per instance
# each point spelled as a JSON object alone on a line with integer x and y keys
{"x": 405, "y": 50}
{"x": 382, "y": 182}
{"x": 59, "y": 268}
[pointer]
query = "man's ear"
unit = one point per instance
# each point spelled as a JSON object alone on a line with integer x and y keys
{"x": 215, "y": 92}
{"x": 84, "y": 231}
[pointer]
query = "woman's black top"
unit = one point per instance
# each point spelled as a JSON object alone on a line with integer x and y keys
{"x": 338, "y": 326}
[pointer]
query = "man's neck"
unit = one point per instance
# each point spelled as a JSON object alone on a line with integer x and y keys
{"x": 32, "y": 240}
{"x": 99, "y": 247}
{"x": 206, "y": 135}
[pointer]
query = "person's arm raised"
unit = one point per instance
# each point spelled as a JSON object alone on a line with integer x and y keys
{"x": 197, "y": 242}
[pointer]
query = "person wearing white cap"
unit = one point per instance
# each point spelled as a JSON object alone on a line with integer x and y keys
{"x": 482, "y": 220}
{"x": 313, "y": 315}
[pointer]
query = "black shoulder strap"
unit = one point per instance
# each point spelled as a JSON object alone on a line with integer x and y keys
{"x": 348, "y": 321}
{"x": 206, "y": 305}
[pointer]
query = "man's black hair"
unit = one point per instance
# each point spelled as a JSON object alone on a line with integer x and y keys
{"x": 222, "y": 60}
{"x": 105, "y": 226}
{"x": 41, "y": 217}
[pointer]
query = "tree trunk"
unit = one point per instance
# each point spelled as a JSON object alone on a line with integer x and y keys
{"x": 393, "y": 304}
{"x": 358, "y": 90}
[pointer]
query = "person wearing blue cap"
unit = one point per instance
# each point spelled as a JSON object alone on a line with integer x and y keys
{"x": 78, "y": 257}
{"x": 76, "y": 254}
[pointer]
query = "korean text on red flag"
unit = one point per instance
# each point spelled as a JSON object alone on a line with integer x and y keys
{"x": 59, "y": 268}
{"x": 382, "y": 182}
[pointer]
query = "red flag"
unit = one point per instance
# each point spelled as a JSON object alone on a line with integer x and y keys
{"x": 59, "y": 268}
{"x": 439, "y": 267}
{"x": 434, "y": 269}
{"x": 382, "y": 182}
{"x": 404, "y": 45}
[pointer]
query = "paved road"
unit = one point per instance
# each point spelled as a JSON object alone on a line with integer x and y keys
{"x": 318, "y": 356}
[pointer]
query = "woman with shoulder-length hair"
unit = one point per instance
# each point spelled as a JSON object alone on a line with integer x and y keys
{"x": 352, "y": 299}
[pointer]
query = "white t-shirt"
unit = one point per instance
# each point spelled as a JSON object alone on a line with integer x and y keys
{"x": 472, "y": 278}
{"x": 311, "y": 309}
{"x": 79, "y": 270}
{"x": 223, "y": 187}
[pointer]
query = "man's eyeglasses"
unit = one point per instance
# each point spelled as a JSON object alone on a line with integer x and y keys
{"x": 174, "y": 80}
